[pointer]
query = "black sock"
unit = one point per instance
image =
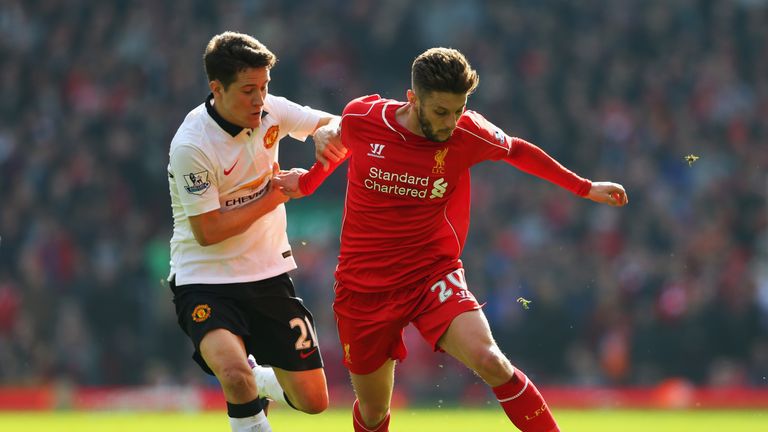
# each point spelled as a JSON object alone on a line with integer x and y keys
{"x": 247, "y": 409}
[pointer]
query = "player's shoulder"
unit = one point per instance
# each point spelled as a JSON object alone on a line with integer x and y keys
{"x": 193, "y": 131}
{"x": 475, "y": 122}
{"x": 364, "y": 104}
{"x": 193, "y": 125}
{"x": 475, "y": 126}
{"x": 276, "y": 103}
{"x": 280, "y": 109}
{"x": 277, "y": 106}
{"x": 472, "y": 119}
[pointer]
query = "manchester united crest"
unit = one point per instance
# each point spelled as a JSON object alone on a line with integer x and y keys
{"x": 270, "y": 138}
{"x": 201, "y": 313}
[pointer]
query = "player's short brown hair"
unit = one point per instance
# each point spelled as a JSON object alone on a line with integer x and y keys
{"x": 229, "y": 53}
{"x": 443, "y": 70}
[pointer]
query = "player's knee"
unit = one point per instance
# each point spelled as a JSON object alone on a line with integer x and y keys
{"x": 312, "y": 398}
{"x": 375, "y": 413}
{"x": 316, "y": 403}
{"x": 237, "y": 378}
{"x": 492, "y": 365}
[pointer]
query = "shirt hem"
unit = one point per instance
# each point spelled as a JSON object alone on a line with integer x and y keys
{"x": 188, "y": 280}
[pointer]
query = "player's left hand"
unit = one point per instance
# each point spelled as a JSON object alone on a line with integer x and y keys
{"x": 608, "y": 193}
{"x": 288, "y": 182}
{"x": 328, "y": 146}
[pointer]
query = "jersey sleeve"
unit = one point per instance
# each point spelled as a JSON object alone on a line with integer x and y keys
{"x": 195, "y": 180}
{"x": 491, "y": 143}
{"x": 495, "y": 144}
{"x": 295, "y": 120}
{"x": 533, "y": 160}
{"x": 312, "y": 179}
{"x": 360, "y": 106}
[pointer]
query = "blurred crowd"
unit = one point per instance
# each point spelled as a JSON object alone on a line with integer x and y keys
{"x": 673, "y": 285}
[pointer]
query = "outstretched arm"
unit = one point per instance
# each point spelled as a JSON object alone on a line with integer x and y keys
{"x": 533, "y": 160}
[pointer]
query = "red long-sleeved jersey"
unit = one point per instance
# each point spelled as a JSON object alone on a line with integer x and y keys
{"x": 406, "y": 212}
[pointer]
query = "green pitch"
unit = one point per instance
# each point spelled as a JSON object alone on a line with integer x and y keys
{"x": 437, "y": 420}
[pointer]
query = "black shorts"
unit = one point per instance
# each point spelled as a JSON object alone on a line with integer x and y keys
{"x": 273, "y": 323}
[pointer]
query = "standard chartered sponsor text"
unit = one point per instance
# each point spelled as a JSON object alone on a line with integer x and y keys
{"x": 405, "y": 183}
{"x": 406, "y": 178}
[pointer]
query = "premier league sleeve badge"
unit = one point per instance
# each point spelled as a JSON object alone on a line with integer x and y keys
{"x": 197, "y": 183}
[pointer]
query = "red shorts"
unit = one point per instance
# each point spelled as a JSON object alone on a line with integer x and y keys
{"x": 371, "y": 325}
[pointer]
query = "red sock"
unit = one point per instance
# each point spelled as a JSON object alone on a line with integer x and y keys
{"x": 524, "y": 405}
{"x": 357, "y": 421}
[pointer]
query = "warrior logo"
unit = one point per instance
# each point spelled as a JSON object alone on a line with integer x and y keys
{"x": 439, "y": 167}
{"x": 376, "y": 150}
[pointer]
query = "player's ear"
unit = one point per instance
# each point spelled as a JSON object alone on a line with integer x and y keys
{"x": 412, "y": 98}
{"x": 216, "y": 87}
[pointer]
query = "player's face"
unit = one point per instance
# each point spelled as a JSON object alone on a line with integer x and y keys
{"x": 438, "y": 114}
{"x": 241, "y": 103}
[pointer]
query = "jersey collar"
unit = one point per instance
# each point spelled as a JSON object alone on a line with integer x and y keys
{"x": 228, "y": 127}
{"x": 390, "y": 115}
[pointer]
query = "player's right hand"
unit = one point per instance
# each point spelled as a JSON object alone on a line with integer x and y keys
{"x": 276, "y": 195}
{"x": 288, "y": 182}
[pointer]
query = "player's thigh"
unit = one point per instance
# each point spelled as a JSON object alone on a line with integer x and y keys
{"x": 370, "y": 330}
{"x": 375, "y": 388}
{"x": 469, "y": 340}
{"x": 440, "y": 303}
{"x": 468, "y": 337}
{"x": 282, "y": 335}
{"x": 223, "y": 350}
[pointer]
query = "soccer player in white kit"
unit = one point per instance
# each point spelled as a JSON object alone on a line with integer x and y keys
{"x": 229, "y": 251}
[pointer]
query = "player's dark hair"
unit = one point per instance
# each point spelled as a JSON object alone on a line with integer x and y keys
{"x": 443, "y": 70}
{"x": 229, "y": 53}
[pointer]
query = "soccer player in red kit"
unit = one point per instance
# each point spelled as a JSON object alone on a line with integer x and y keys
{"x": 405, "y": 222}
